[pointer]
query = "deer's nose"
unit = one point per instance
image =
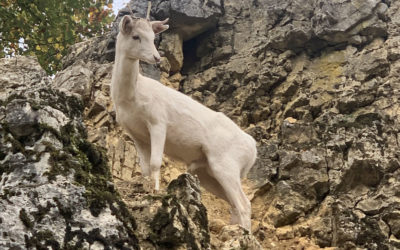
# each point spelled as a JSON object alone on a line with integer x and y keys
{"x": 158, "y": 59}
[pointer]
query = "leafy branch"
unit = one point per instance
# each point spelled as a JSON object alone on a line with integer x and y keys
{"x": 46, "y": 28}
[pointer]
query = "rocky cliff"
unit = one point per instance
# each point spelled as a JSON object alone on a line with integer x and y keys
{"x": 56, "y": 188}
{"x": 316, "y": 83}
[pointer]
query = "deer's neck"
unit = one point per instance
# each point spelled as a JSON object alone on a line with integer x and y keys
{"x": 126, "y": 74}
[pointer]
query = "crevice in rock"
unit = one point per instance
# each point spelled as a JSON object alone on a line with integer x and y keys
{"x": 222, "y": 7}
{"x": 327, "y": 172}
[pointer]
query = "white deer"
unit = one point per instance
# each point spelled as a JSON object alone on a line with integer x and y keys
{"x": 162, "y": 120}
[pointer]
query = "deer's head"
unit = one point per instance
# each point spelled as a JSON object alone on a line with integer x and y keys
{"x": 136, "y": 38}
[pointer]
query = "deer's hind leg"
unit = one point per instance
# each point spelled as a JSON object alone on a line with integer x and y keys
{"x": 200, "y": 169}
{"x": 226, "y": 173}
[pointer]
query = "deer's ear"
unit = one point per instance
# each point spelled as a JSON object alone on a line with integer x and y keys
{"x": 126, "y": 25}
{"x": 159, "y": 26}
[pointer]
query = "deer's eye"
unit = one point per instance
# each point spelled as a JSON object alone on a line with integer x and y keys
{"x": 135, "y": 37}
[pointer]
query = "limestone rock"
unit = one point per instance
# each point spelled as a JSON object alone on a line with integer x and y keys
{"x": 76, "y": 79}
{"x": 54, "y": 184}
{"x": 16, "y": 74}
{"x": 96, "y": 49}
{"x": 235, "y": 237}
{"x": 182, "y": 224}
{"x": 171, "y": 45}
{"x": 296, "y": 24}
{"x": 176, "y": 219}
{"x": 337, "y": 21}
{"x": 21, "y": 118}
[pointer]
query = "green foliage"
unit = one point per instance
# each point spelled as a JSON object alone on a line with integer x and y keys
{"x": 46, "y": 28}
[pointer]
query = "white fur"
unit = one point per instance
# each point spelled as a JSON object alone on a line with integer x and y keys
{"x": 162, "y": 120}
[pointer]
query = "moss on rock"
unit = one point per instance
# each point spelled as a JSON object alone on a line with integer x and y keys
{"x": 42, "y": 240}
{"x": 25, "y": 218}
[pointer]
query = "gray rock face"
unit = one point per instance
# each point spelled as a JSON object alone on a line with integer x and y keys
{"x": 311, "y": 24}
{"x": 101, "y": 49}
{"x": 13, "y": 78}
{"x": 54, "y": 185}
{"x": 77, "y": 81}
{"x": 184, "y": 224}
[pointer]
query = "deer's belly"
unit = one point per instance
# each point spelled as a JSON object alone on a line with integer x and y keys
{"x": 183, "y": 150}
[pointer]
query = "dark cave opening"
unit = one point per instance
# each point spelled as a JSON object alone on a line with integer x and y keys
{"x": 190, "y": 58}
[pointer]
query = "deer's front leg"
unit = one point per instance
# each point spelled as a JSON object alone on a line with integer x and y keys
{"x": 157, "y": 138}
